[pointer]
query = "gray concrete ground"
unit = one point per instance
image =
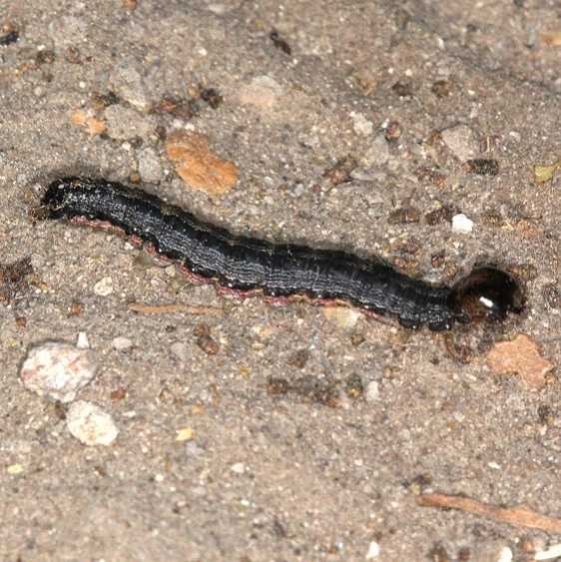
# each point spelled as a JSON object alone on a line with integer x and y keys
{"x": 261, "y": 476}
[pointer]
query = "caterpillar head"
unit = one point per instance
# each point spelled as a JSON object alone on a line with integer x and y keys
{"x": 487, "y": 293}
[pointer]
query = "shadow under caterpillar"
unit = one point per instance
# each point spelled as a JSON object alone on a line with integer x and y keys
{"x": 245, "y": 264}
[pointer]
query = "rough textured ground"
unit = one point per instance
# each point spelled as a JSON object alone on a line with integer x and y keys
{"x": 280, "y": 477}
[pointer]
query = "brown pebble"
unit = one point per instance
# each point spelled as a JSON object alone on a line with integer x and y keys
{"x": 433, "y": 177}
{"x": 76, "y": 308}
{"x": 72, "y": 55}
{"x": 201, "y": 329}
{"x": 101, "y": 101}
{"x": 440, "y": 215}
{"x": 341, "y": 172}
{"x": 46, "y": 56}
{"x": 437, "y": 259}
{"x": 118, "y": 394}
{"x": 354, "y": 387}
{"x": 357, "y": 339}
{"x": 21, "y": 321}
{"x": 277, "y": 386}
{"x": 442, "y": 88}
{"x": 546, "y": 416}
{"x": 181, "y": 108}
{"x": 493, "y": 218}
{"x": 403, "y": 89}
{"x": 404, "y": 215}
{"x": 208, "y": 344}
{"x": 393, "y": 131}
{"x": 197, "y": 164}
{"x": 299, "y": 358}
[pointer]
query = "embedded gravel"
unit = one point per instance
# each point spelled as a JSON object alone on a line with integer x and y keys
{"x": 280, "y": 433}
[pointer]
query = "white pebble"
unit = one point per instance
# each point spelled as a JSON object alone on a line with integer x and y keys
{"x": 549, "y": 554}
{"x": 90, "y": 424}
{"x": 180, "y": 350}
{"x": 505, "y": 555}
{"x": 82, "y": 342}
{"x": 461, "y": 224}
{"x": 373, "y": 551}
{"x": 372, "y": 393}
{"x": 361, "y": 125}
{"x": 120, "y": 343}
{"x": 57, "y": 370}
{"x": 104, "y": 287}
{"x": 343, "y": 317}
{"x": 238, "y": 468}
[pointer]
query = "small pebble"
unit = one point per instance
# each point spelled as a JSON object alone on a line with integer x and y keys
{"x": 378, "y": 153}
{"x": 361, "y": 125}
{"x": 125, "y": 123}
{"x": 505, "y": 555}
{"x": 345, "y": 318}
{"x": 263, "y": 92}
{"x": 128, "y": 84}
{"x": 179, "y": 349}
{"x": 57, "y": 370}
{"x": 372, "y": 393}
{"x": 373, "y": 551}
{"x": 104, "y": 287}
{"x": 14, "y": 469}
{"x": 90, "y": 424}
{"x": 82, "y": 342}
{"x": 461, "y": 141}
{"x": 120, "y": 343}
{"x": 238, "y": 468}
{"x": 461, "y": 224}
{"x": 185, "y": 434}
{"x": 149, "y": 166}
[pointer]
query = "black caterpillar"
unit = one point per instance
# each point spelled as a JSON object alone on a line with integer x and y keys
{"x": 282, "y": 270}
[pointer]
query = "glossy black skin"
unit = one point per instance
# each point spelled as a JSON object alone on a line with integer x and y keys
{"x": 487, "y": 293}
{"x": 279, "y": 270}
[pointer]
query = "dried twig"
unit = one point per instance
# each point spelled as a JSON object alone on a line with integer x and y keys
{"x": 174, "y": 308}
{"x": 521, "y": 516}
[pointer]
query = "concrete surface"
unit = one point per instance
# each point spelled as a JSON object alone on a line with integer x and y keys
{"x": 269, "y": 477}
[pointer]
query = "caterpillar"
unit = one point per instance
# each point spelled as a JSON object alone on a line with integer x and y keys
{"x": 246, "y": 265}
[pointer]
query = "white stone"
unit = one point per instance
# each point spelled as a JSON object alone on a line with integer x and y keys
{"x": 104, "y": 287}
{"x": 120, "y": 343}
{"x": 57, "y": 370}
{"x": 505, "y": 555}
{"x": 238, "y": 468}
{"x": 91, "y": 425}
{"x": 373, "y": 551}
{"x": 149, "y": 166}
{"x": 462, "y": 224}
{"x": 263, "y": 92}
{"x": 82, "y": 341}
{"x": 372, "y": 393}
{"x": 361, "y": 125}
{"x": 127, "y": 83}
{"x": 551, "y": 553}
{"x": 343, "y": 317}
